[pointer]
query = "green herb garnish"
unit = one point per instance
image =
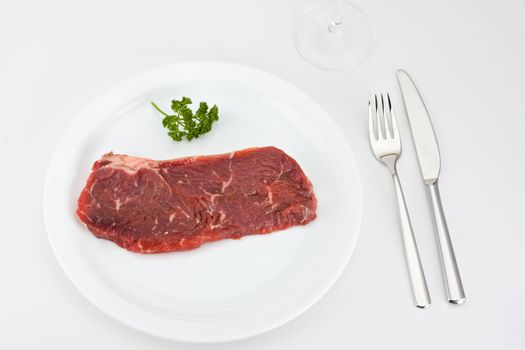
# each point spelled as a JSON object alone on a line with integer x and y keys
{"x": 185, "y": 124}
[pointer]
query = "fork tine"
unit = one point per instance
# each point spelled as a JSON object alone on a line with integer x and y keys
{"x": 380, "y": 134}
{"x": 371, "y": 120}
{"x": 387, "y": 114}
{"x": 385, "y": 111}
{"x": 395, "y": 130}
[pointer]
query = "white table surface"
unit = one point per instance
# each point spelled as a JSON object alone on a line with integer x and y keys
{"x": 467, "y": 58}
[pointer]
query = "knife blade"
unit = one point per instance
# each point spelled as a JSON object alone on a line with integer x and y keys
{"x": 422, "y": 131}
{"x": 429, "y": 158}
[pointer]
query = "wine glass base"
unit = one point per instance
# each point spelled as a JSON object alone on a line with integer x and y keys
{"x": 330, "y": 45}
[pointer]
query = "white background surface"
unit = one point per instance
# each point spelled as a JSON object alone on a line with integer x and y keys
{"x": 465, "y": 56}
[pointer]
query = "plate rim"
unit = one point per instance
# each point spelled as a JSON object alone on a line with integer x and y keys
{"x": 357, "y": 226}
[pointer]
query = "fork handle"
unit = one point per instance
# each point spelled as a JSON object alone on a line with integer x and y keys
{"x": 455, "y": 292}
{"x": 415, "y": 269}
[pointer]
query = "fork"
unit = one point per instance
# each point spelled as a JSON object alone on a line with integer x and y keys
{"x": 386, "y": 146}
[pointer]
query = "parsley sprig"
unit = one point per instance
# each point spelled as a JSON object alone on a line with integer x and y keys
{"x": 184, "y": 123}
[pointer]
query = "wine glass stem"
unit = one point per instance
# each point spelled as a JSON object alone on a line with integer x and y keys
{"x": 336, "y": 21}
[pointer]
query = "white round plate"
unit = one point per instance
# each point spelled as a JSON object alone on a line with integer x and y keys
{"x": 225, "y": 290}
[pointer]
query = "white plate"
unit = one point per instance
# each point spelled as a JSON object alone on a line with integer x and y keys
{"x": 226, "y": 290}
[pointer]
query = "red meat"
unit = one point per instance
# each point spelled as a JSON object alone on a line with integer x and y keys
{"x": 149, "y": 206}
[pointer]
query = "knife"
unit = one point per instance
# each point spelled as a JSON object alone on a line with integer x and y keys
{"x": 430, "y": 164}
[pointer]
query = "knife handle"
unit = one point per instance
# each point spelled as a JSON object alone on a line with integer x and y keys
{"x": 455, "y": 292}
{"x": 415, "y": 269}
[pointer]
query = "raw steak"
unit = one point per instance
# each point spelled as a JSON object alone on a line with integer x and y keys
{"x": 149, "y": 206}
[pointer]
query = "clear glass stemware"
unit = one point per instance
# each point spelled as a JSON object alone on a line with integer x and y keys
{"x": 334, "y": 35}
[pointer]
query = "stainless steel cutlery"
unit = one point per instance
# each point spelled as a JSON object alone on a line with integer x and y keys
{"x": 430, "y": 164}
{"x": 386, "y": 146}
{"x": 385, "y": 142}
